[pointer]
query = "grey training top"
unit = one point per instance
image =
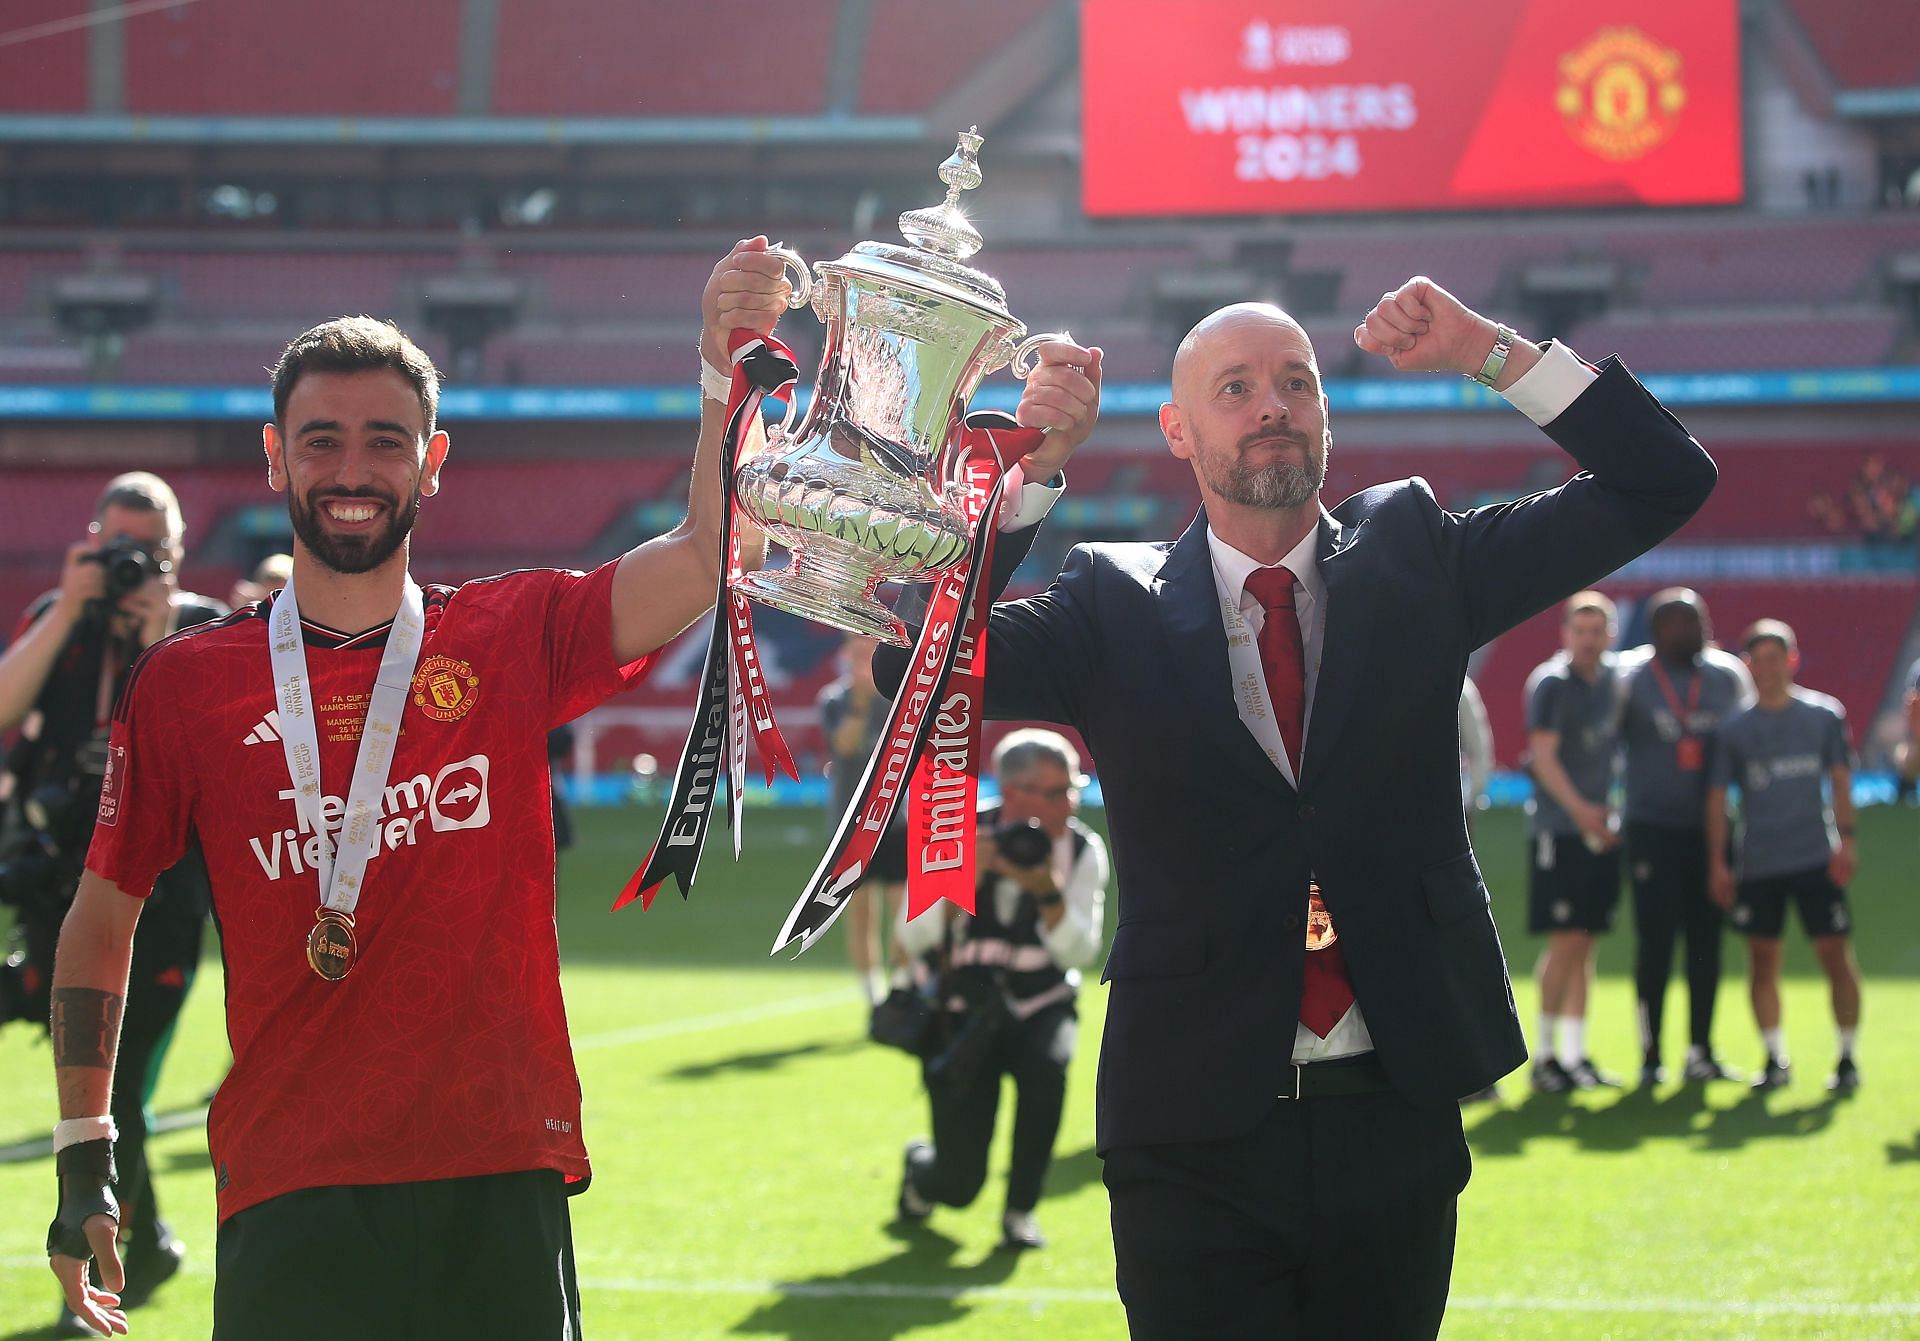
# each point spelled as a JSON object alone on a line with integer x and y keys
{"x": 1659, "y": 790}
{"x": 1780, "y": 761}
{"x": 1585, "y": 715}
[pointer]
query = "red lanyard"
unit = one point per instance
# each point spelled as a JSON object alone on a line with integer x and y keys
{"x": 1673, "y": 700}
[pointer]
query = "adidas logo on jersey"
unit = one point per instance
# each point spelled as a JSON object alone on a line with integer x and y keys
{"x": 265, "y": 731}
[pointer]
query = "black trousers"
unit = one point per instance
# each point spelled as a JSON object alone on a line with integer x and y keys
{"x": 1332, "y": 1219}
{"x": 1669, "y": 870}
{"x": 166, "y": 954}
{"x": 1035, "y": 1052}
{"x": 448, "y": 1260}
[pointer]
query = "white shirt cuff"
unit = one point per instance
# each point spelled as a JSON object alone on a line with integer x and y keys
{"x": 1552, "y": 384}
{"x": 1032, "y": 504}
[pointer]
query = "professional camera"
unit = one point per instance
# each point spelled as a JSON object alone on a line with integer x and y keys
{"x": 1024, "y": 843}
{"x": 128, "y": 566}
{"x": 988, "y": 1012}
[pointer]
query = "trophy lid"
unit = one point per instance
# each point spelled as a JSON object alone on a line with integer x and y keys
{"x": 940, "y": 238}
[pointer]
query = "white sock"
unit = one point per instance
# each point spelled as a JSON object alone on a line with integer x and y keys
{"x": 1776, "y": 1041}
{"x": 1846, "y": 1040}
{"x": 1544, "y": 1041}
{"x": 1573, "y": 1040}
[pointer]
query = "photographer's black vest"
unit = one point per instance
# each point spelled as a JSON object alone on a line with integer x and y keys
{"x": 1014, "y": 947}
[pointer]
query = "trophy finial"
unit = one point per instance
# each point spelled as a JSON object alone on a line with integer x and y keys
{"x": 943, "y": 228}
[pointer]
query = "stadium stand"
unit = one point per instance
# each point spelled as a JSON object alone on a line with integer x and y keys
{"x": 700, "y": 63}
{"x": 1863, "y": 44}
{"x": 280, "y": 60}
{"x": 47, "y": 74}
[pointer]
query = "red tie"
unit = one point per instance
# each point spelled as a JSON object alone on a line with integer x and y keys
{"x": 1325, "y": 992}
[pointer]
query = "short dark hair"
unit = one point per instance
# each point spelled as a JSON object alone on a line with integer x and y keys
{"x": 1769, "y": 630}
{"x": 356, "y": 344}
{"x": 1592, "y": 603}
{"x": 142, "y": 491}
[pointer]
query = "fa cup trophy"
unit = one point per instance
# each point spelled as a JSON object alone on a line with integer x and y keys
{"x": 869, "y": 487}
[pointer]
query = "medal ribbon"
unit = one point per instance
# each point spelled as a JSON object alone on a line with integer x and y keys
{"x": 1683, "y": 715}
{"x": 955, "y": 621}
{"x": 342, "y": 866}
{"x": 732, "y": 697}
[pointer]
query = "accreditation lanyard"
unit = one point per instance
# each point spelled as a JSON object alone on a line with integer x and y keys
{"x": 341, "y": 867}
{"x": 1688, "y": 754}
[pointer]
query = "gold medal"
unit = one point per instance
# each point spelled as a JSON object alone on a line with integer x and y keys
{"x": 1320, "y": 932}
{"x": 330, "y": 947}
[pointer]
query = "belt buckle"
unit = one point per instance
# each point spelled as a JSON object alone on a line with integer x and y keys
{"x": 1296, "y": 1068}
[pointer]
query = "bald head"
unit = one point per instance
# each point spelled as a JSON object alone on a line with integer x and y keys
{"x": 1218, "y": 331}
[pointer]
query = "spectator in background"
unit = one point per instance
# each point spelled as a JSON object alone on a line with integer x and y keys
{"x": 1906, "y": 755}
{"x": 1789, "y": 757}
{"x": 1476, "y": 750}
{"x": 119, "y": 594}
{"x": 1572, "y": 705}
{"x": 853, "y": 713}
{"x": 269, "y": 575}
{"x": 1007, "y": 977}
{"x": 1673, "y": 694}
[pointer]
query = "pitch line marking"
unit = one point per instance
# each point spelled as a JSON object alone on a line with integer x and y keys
{"x": 42, "y": 1147}
{"x": 1004, "y": 1294}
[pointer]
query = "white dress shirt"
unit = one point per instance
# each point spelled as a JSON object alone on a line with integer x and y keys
{"x": 1546, "y": 389}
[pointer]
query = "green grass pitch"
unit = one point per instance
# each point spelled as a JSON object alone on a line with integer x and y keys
{"x": 747, "y": 1143}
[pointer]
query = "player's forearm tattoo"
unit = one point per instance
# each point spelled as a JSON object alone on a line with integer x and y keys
{"x": 86, "y": 1027}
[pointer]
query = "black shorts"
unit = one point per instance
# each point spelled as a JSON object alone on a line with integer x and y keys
{"x": 453, "y": 1258}
{"x": 890, "y": 857}
{"x": 1760, "y": 908}
{"x": 1570, "y": 887}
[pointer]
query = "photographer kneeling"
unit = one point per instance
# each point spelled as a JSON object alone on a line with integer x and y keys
{"x": 1005, "y": 981}
{"x": 72, "y": 653}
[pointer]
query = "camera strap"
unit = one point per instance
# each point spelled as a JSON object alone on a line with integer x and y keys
{"x": 342, "y": 863}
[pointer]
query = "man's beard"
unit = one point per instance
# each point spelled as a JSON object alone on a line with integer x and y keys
{"x": 1277, "y": 485}
{"x": 352, "y": 553}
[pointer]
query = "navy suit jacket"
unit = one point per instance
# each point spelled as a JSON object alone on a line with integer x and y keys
{"x": 1214, "y": 850}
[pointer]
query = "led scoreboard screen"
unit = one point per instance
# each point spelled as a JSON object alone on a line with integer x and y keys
{"x": 1292, "y": 106}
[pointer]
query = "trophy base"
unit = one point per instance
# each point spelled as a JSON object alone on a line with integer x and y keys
{"x": 840, "y": 601}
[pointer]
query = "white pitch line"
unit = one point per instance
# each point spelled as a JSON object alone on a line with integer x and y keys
{"x": 42, "y": 1147}
{"x": 1007, "y": 1294}
{"x": 647, "y": 1033}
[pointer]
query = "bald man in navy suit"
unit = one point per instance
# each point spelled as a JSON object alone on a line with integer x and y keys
{"x": 1305, "y": 976}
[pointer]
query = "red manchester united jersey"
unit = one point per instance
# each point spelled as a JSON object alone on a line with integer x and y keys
{"x": 444, "y": 1052}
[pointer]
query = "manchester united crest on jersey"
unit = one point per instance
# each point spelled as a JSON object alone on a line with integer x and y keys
{"x": 444, "y": 689}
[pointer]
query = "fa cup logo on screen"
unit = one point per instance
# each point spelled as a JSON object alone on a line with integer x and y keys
{"x": 1620, "y": 94}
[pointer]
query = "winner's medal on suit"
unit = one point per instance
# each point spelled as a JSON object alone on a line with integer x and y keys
{"x": 1320, "y": 932}
{"x": 341, "y": 869}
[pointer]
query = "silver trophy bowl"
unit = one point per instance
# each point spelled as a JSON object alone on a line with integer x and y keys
{"x": 869, "y": 487}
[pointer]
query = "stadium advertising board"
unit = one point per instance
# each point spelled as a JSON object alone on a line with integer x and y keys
{"x": 1295, "y": 106}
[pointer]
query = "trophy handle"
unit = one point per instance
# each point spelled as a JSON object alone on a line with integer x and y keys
{"x": 1022, "y": 352}
{"x": 803, "y": 278}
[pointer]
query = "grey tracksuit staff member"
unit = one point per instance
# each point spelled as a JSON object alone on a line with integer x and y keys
{"x": 1789, "y": 757}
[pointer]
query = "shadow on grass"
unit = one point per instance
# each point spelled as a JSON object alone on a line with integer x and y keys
{"x": 919, "y": 1286}
{"x": 1904, "y": 1154}
{"x": 1640, "y": 1116}
{"x": 1070, "y": 1173}
{"x": 772, "y": 1060}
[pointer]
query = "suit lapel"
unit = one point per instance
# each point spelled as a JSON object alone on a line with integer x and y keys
{"x": 1188, "y": 602}
{"x": 1342, "y": 642}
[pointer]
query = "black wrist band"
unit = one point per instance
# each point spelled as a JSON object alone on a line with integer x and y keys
{"x": 85, "y": 1170}
{"x": 1050, "y": 900}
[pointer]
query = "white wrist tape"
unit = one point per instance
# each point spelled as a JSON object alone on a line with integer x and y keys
{"x": 77, "y": 1131}
{"x": 714, "y": 384}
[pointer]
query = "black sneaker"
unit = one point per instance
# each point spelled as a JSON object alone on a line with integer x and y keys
{"x": 1702, "y": 1069}
{"x": 1774, "y": 1075}
{"x": 1587, "y": 1076}
{"x": 1845, "y": 1078}
{"x": 1652, "y": 1073}
{"x": 1549, "y": 1077}
{"x": 911, "y": 1205}
{"x": 149, "y": 1266}
{"x": 1019, "y": 1232}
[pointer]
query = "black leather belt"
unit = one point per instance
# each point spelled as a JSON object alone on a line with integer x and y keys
{"x": 1341, "y": 1076}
